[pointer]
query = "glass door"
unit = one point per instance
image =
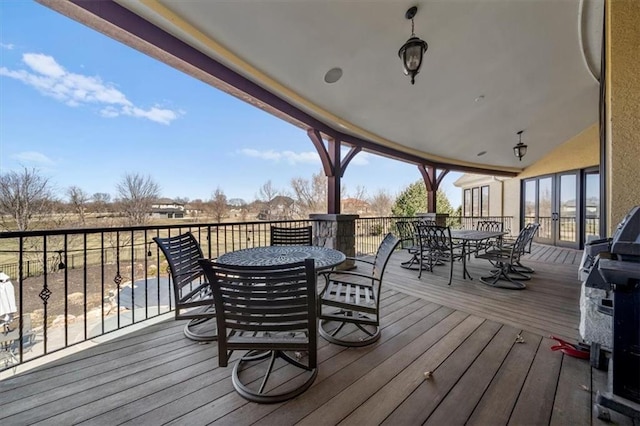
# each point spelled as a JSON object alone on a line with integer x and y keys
{"x": 591, "y": 226}
{"x": 566, "y": 211}
{"x": 545, "y": 210}
{"x": 553, "y": 201}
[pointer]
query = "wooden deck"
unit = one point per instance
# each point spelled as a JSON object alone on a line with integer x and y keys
{"x": 487, "y": 350}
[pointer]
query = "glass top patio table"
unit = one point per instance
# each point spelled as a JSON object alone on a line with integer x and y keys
{"x": 278, "y": 255}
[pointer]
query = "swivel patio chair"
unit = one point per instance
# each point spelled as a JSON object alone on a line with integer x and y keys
{"x": 281, "y": 236}
{"x": 192, "y": 293}
{"x": 407, "y": 234}
{"x": 504, "y": 259}
{"x": 270, "y": 312}
{"x": 353, "y": 298}
{"x": 518, "y": 268}
{"x": 532, "y": 228}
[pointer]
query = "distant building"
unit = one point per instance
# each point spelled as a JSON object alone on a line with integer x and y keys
{"x": 166, "y": 208}
{"x": 355, "y": 206}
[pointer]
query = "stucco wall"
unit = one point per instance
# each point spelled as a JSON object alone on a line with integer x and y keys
{"x": 579, "y": 152}
{"x": 623, "y": 78}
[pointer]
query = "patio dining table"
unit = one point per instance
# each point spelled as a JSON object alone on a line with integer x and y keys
{"x": 467, "y": 236}
{"x": 324, "y": 257}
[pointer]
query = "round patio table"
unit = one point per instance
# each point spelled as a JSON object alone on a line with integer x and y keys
{"x": 279, "y": 255}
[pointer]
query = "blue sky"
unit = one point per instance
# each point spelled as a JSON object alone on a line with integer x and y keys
{"x": 85, "y": 109}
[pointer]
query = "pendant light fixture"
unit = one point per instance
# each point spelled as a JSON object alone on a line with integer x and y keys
{"x": 412, "y": 52}
{"x": 520, "y": 149}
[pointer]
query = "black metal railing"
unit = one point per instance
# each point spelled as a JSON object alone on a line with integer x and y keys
{"x": 76, "y": 284}
{"x": 371, "y": 230}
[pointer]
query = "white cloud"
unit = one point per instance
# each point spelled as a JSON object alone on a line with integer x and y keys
{"x": 33, "y": 157}
{"x": 7, "y": 46}
{"x": 361, "y": 159}
{"x": 51, "y": 79}
{"x": 309, "y": 157}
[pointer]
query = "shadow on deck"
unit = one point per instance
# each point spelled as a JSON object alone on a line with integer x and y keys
{"x": 485, "y": 351}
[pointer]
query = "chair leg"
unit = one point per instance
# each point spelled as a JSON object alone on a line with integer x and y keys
{"x": 522, "y": 268}
{"x": 499, "y": 276}
{"x": 269, "y": 397}
{"x": 368, "y": 333}
{"x": 201, "y": 330}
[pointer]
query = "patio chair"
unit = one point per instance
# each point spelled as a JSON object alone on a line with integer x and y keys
{"x": 10, "y": 340}
{"x": 353, "y": 297}
{"x": 270, "y": 312}
{"x": 504, "y": 259}
{"x": 518, "y": 268}
{"x": 192, "y": 293}
{"x": 407, "y": 234}
{"x": 488, "y": 226}
{"x": 437, "y": 247}
{"x": 291, "y": 236}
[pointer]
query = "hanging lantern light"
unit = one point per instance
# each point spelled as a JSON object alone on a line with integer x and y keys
{"x": 412, "y": 52}
{"x": 520, "y": 149}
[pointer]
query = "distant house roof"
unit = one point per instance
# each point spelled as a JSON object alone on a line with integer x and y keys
{"x": 168, "y": 201}
{"x": 469, "y": 179}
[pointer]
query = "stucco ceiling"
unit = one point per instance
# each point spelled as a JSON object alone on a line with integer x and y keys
{"x": 493, "y": 67}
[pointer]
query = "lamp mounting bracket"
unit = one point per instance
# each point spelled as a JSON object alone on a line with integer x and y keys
{"x": 411, "y": 12}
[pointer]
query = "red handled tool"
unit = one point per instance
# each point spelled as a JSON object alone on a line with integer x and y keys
{"x": 570, "y": 349}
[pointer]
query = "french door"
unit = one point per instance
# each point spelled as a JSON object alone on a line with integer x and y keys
{"x": 555, "y": 202}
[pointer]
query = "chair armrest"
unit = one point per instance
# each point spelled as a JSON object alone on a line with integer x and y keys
{"x": 358, "y": 259}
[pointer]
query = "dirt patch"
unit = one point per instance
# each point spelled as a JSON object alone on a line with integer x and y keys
{"x": 91, "y": 287}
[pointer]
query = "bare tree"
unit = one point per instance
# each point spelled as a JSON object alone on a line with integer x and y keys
{"x": 137, "y": 194}
{"x": 23, "y": 195}
{"x": 266, "y": 194}
{"x": 78, "y": 200}
{"x": 381, "y": 203}
{"x": 310, "y": 195}
{"x": 218, "y": 203}
{"x": 100, "y": 202}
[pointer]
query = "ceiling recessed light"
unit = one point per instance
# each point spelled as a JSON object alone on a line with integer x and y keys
{"x": 333, "y": 75}
{"x": 479, "y": 98}
{"x": 481, "y": 153}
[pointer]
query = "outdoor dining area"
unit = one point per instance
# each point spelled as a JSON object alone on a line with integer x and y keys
{"x": 283, "y": 336}
{"x": 430, "y": 245}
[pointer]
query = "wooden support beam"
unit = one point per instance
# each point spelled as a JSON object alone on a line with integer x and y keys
{"x": 333, "y": 166}
{"x": 432, "y": 181}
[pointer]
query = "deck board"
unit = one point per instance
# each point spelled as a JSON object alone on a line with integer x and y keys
{"x": 465, "y": 334}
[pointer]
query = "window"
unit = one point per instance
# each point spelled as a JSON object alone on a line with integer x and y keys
{"x": 476, "y": 202}
{"x": 467, "y": 202}
{"x": 484, "y": 201}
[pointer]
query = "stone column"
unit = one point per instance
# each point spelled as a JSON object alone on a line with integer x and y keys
{"x": 336, "y": 231}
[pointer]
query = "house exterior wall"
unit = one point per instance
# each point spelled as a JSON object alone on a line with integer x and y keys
{"x": 623, "y": 109}
{"x": 579, "y": 152}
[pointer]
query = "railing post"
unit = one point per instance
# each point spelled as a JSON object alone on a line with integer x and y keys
{"x": 336, "y": 231}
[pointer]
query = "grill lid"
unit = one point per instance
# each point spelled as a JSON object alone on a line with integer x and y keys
{"x": 626, "y": 240}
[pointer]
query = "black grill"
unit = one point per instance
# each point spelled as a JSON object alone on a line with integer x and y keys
{"x": 620, "y": 270}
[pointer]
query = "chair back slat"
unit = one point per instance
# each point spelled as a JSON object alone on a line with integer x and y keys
{"x": 435, "y": 238}
{"x": 265, "y": 299}
{"x": 385, "y": 250}
{"x": 182, "y": 253}
{"x": 406, "y": 233}
{"x": 490, "y": 226}
{"x": 281, "y": 236}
